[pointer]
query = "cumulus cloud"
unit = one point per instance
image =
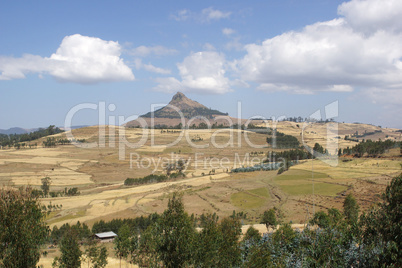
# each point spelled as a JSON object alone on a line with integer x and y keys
{"x": 144, "y": 51}
{"x": 83, "y": 59}
{"x": 79, "y": 59}
{"x": 373, "y": 15}
{"x": 337, "y": 55}
{"x": 201, "y": 72}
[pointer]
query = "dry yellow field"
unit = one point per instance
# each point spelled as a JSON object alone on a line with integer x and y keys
{"x": 209, "y": 186}
{"x": 99, "y": 172}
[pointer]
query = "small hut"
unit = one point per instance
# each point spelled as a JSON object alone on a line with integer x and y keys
{"x": 106, "y": 236}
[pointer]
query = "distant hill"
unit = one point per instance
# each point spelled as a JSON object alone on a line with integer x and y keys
{"x": 189, "y": 108}
{"x": 17, "y": 130}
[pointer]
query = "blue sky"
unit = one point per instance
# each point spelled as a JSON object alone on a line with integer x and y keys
{"x": 279, "y": 58}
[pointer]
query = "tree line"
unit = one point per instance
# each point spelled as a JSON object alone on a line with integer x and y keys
{"x": 370, "y": 148}
{"x": 12, "y": 139}
{"x": 153, "y": 178}
{"x": 44, "y": 190}
{"x": 52, "y": 142}
{"x": 283, "y": 141}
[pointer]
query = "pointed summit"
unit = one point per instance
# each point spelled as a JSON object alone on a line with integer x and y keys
{"x": 180, "y": 101}
{"x": 178, "y": 96}
{"x": 188, "y": 107}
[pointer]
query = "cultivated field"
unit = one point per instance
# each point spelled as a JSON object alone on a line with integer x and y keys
{"x": 110, "y": 155}
{"x": 99, "y": 172}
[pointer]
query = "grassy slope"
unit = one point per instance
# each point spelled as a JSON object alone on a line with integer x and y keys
{"x": 300, "y": 182}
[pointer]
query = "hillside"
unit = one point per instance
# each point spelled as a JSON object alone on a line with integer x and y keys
{"x": 17, "y": 130}
{"x": 189, "y": 108}
{"x": 209, "y": 186}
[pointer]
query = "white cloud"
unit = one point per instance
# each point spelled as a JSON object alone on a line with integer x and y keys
{"x": 181, "y": 15}
{"x": 373, "y": 15}
{"x": 85, "y": 60}
{"x": 154, "y": 69}
{"x": 210, "y": 13}
{"x": 328, "y": 56}
{"x": 234, "y": 42}
{"x": 79, "y": 59}
{"x": 168, "y": 85}
{"x": 340, "y": 88}
{"x": 201, "y": 72}
{"x": 228, "y": 31}
{"x": 144, "y": 51}
{"x": 17, "y": 68}
{"x": 150, "y": 68}
{"x": 206, "y": 15}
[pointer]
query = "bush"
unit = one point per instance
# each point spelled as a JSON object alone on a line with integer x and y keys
{"x": 146, "y": 180}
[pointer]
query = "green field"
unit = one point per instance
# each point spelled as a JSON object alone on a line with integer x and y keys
{"x": 250, "y": 199}
{"x": 298, "y": 174}
{"x": 319, "y": 189}
{"x": 300, "y": 182}
{"x": 263, "y": 192}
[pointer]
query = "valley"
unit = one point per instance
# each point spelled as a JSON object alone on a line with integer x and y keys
{"x": 209, "y": 186}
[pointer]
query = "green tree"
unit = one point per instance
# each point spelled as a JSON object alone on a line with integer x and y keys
{"x": 321, "y": 219}
{"x": 252, "y": 235}
{"x": 45, "y": 185}
{"x": 95, "y": 254}
{"x": 208, "y": 241}
{"x": 176, "y": 235}
{"x": 351, "y": 208}
{"x": 259, "y": 256}
{"x": 318, "y": 148}
{"x": 145, "y": 253}
{"x": 90, "y": 250}
{"x": 333, "y": 218}
{"x": 122, "y": 242}
{"x": 382, "y": 227}
{"x": 269, "y": 219}
{"x": 254, "y": 252}
{"x": 22, "y": 228}
{"x": 284, "y": 235}
{"x": 70, "y": 251}
{"x": 229, "y": 248}
{"x": 100, "y": 260}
